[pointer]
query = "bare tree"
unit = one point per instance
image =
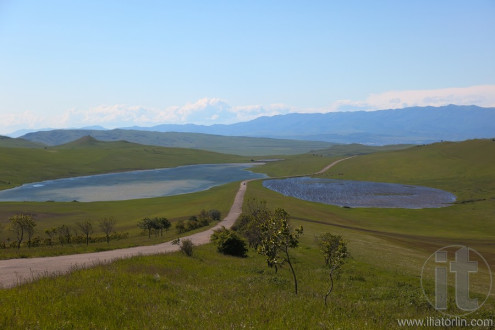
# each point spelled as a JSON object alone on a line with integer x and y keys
{"x": 87, "y": 229}
{"x": 107, "y": 225}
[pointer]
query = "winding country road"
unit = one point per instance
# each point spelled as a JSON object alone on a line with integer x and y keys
{"x": 17, "y": 271}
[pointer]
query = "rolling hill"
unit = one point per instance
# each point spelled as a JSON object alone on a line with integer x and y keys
{"x": 247, "y": 146}
{"x": 357, "y": 149}
{"x": 8, "y": 142}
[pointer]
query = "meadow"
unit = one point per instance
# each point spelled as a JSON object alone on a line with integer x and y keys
{"x": 377, "y": 286}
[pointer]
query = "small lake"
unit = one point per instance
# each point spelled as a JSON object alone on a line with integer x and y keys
{"x": 132, "y": 185}
{"x": 361, "y": 193}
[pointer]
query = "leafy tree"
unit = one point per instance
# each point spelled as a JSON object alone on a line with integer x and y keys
{"x": 86, "y": 228}
{"x": 249, "y": 224}
{"x": 276, "y": 239}
{"x": 204, "y": 218}
{"x": 107, "y": 225}
{"x": 22, "y": 224}
{"x": 334, "y": 250}
{"x": 146, "y": 224}
{"x": 163, "y": 223}
{"x": 229, "y": 242}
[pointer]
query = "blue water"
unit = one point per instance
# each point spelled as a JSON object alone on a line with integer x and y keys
{"x": 361, "y": 193}
{"x": 132, "y": 185}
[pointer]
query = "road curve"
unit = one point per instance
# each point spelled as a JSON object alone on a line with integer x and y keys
{"x": 17, "y": 271}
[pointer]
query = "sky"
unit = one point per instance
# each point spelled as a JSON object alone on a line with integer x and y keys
{"x": 124, "y": 63}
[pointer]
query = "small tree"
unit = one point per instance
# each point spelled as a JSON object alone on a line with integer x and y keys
{"x": 22, "y": 224}
{"x": 30, "y": 231}
{"x": 164, "y": 223}
{"x": 86, "y": 228}
{"x": 276, "y": 239}
{"x": 180, "y": 227}
{"x": 51, "y": 234}
{"x": 64, "y": 234}
{"x": 229, "y": 242}
{"x": 186, "y": 247}
{"x": 107, "y": 225}
{"x": 334, "y": 250}
{"x": 146, "y": 224}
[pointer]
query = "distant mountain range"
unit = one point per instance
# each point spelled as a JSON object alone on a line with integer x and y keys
{"x": 415, "y": 125}
{"x": 300, "y": 133}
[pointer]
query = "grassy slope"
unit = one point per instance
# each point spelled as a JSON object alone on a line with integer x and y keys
{"x": 7, "y": 142}
{"x": 358, "y": 149}
{"x": 85, "y": 157}
{"x": 379, "y": 285}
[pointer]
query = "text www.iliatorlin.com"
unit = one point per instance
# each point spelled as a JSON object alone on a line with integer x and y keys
{"x": 445, "y": 322}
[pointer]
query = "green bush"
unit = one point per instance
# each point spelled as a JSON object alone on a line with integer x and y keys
{"x": 215, "y": 214}
{"x": 229, "y": 242}
{"x": 186, "y": 247}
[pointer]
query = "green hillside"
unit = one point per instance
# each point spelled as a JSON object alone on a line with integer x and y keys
{"x": 89, "y": 156}
{"x": 7, "y": 142}
{"x": 247, "y": 146}
{"x": 357, "y": 149}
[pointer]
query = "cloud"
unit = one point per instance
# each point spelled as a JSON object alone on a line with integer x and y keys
{"x": 476, "y": 95}
{"x": 205, "y": 111}
{"x": 209, "y": 111}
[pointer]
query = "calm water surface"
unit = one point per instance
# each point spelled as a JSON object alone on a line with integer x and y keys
{"x": 361, "y": 193}
{"x": 132, "y": 185}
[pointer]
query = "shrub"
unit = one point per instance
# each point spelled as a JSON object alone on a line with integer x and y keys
{"x": 180, "y": 227}
{"x": 215, "y": 214}
{"x": 229, "y": 242}
{"x": 186, "y": 247}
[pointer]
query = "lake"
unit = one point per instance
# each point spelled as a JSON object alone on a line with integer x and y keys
{"x": 361, "y": 193}
{"x": 132, "y": 185}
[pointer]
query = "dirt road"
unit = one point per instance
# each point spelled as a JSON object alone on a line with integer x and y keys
{"x": 326, "y": 168}
{"x": 17, "y": 271}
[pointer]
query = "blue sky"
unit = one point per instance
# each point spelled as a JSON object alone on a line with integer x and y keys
{"x": 120, "y": 63}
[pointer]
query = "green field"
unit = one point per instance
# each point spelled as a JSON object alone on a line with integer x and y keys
{"x": 376, "y": 287}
